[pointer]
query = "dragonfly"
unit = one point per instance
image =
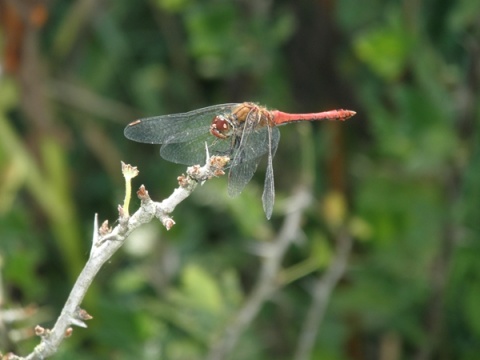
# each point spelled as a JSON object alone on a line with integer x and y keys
{"x": 244, "y": 132}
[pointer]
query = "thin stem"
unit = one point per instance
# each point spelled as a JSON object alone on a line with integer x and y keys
{"x": 322, "y": 292}
{"x": 267, "y": 282}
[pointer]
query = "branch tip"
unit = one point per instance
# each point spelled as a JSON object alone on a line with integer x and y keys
{"x": 104, "y": 229}
{"x": 129, "y": 172}
{"x": 182, "y": 180}
{"x": 83, "y": 315}
{"x": 218, "y": 172}
{"x": 121, "y": 212}
{"x": 168, "y": 223}
{"x": 142, "y": 193}
{"x": 194, "y": 170}
{"x": 78, "y": 323}
{"x": 219, "y": 162}
{"x": 41, "y": 331}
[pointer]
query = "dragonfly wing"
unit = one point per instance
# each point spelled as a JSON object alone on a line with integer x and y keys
{"x": 255, "y": 144}
{"x": 187, "y": 153}
{"x": 247, "y": 157}
{"x": 250, "y": 146}
{"x": 247, "y": 151}
{"x": 251, "y": 143}
{"x": 275, "y": 140}
{"x": 193, "y": 152}
{"x": 268, "y": 196}
{"x": 175, "y": 128}
{"x": 240, "y": 175}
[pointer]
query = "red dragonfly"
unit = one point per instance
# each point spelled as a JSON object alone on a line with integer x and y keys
{"x": 242, "y": 131}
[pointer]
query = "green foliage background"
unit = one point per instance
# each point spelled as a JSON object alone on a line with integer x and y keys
{"x": 408, "y": 166}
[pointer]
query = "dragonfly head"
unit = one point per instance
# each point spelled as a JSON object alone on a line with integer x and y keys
{"x": 221, "y": 127}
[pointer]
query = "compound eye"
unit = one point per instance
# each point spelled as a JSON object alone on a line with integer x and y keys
{"x": 220, "y": 127}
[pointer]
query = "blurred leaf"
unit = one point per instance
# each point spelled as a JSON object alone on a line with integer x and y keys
{"x": 472, "y": 311}
{"x": 385, "y": 49}
{"x": 201, "y": 288}
{"x": 223, "y": 44}
{"x": 9, "y": 93}
{"x": 334, "y": 209}
{"x": 148, "y": 83}
{"x": 202, "y": 304}
{"x": 360, "y": 229}
{"x": 320, "y": 256}
{"x": 211, "y": 33}
{"x": 173, "y": 5}
{"x": 464, "y": 15}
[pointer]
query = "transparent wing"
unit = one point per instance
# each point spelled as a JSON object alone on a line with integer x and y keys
{"x": 193, "y": 152}
{"x": 247, "y": 156}
{"x": 175, "y": 128}
{"x": 252, "y": 143}
{"x": 240, "y": 175}
{"x": 268, "y": 196}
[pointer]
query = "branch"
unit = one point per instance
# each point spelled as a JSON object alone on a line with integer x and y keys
{"x": 321, "y": 295}
{"x": 89, "y": 102}
{"x": 107, "y": 241}
{"x": 267, "y": 282}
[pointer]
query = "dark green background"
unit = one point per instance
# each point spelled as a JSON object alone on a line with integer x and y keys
{"x": 402, "y": 176}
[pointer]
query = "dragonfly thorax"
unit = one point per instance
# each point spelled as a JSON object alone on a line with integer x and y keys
{"x": 221, "y": 127}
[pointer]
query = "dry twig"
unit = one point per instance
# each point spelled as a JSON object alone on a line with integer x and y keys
{"x": 107, "y": 241}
